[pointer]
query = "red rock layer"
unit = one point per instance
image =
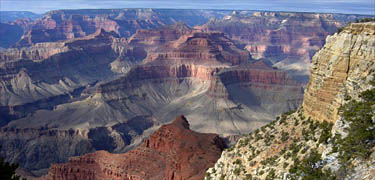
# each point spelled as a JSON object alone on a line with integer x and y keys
{"x": 158, "y": 74}
{"x": 258, "y": 73}
{"x": 200, "y": 48}
{"x": 173, "y": 152}
{"x": 338, "y": 69}
{"x": 278, "y": 35}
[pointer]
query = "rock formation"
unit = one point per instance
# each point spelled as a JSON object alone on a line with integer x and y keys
{"x": 316, "y": 141}
{"x": 69, "y": 24}
{"x": 286, "y": 38}
{"x": 172, "y": 152}
{"x": 104, "y": 81}
{"x": 35, "y": 149}
{"x": 345, "y": 60}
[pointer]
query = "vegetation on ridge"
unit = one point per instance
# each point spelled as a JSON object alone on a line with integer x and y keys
{"x": 8, "y": 170}
{"x": 360, "y": 140}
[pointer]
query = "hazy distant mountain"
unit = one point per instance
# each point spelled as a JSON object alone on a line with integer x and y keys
{"x": 6, "y": 16}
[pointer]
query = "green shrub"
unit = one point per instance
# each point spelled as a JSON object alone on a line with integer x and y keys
{"x": 271, "y": 175}
{"x": 340, "y": 29}
{"x": 238, "y": 162}
{"x": 367, "y": 20}
{"x": 248, "y": 177}
{"x": 8, "y": 170}
{"x": 309, "y": 169}
{"x": 361, "y": 133}
{"x": 237, "y": 171}
{"x": 326, "y": 132}
{"x": 284, "y": 136}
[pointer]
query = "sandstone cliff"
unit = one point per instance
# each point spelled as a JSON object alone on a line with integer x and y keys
{"x": 317, "y": 141}
{"x": 339, "y": 69}
{"x": 172, "y": 152}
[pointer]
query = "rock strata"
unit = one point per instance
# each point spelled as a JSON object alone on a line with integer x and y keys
{"x": 316, "y": 133}
{"x": 172, "y": 152}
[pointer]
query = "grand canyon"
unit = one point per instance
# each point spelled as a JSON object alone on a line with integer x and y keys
{"x": 163, "y": 93}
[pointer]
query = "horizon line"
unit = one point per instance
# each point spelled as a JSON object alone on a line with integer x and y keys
{"x": 219, "y": 9}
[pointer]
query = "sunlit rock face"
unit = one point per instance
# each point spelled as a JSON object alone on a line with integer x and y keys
{"x": 346, "y": 59}
{"x": 172, "y": 152}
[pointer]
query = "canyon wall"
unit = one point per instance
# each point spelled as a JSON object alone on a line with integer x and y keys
{"x": 172, "y": 152}
{"x": 338, "y": 70}
{"x": 68, "y": 24}
{"x": 317, "y": 133}
{"x": 287, "y": 39}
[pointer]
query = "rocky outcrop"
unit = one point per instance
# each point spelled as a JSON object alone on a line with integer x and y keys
{"x": 158, "y": 74}
{"x": 159, "y": 36}
{"x": 172, "y": 152}
{"x": 316, "y": 132}
{"x": 339, "y": 69}
{"x": 46, "y": 145}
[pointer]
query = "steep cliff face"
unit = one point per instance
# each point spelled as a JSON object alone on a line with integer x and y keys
{"x": 339, "y": 69}
{"x": 319, "y": 132}
{"x": 172, "y": 152}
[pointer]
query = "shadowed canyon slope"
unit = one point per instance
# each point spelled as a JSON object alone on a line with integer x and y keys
{"x": 172, "y": 152}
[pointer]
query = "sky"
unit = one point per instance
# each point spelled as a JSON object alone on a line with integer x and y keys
{"x": 327, "y": 6}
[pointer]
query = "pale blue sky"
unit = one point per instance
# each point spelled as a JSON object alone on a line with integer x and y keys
{"x": 333, "y": 6}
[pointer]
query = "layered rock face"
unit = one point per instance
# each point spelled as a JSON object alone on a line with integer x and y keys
{"x": 316, "y": 133}
{"x": 338, "y": 70}
{"x": 46, "y": 145}
{"x": 288, "y": 38}
{"x": 159, "y": 36}
{"x": 51, "y": 69}
{"x": 200, "y": 48}
{"x": 172, "y": 152}
{"x": 69, "y": 24}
